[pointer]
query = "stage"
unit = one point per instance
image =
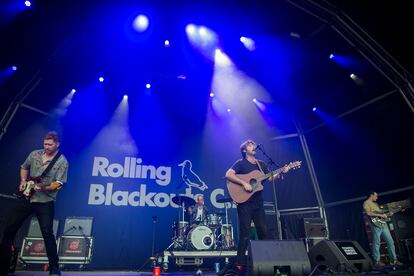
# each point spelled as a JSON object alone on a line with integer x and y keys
{"x": 404, "y": 272}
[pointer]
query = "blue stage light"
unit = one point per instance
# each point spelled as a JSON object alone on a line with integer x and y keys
{"x": 148, "y": 85}
{"x": 101, "y": 79}
{"x": 141, "y": 23}
{"x": 27, "y": 3}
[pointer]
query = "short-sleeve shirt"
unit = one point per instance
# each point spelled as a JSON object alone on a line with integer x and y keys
{"x": 59, "y": 172}
{"x": 243, "y": 166}
{"x": 370, "y": 206}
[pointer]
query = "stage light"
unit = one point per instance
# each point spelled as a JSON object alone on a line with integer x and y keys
{"x": 14, "y": 68}
{"x": 202, "y": 31}
{"x": 248, "y": 43}
{"x": 73, "y": 90}
{"x": 166, "y": 43}
{"x": 101, "y": 79}
{"x": 221, "y": 59}
{"x": 27, "y": 3}
{"x": 314, "y": 109}
{"x": 353, "y": 76}
{"x": 148, "y": 85}
{"x": 141, "y": 23}
{"x": 331, "y": 56}
{"x": 125, "y": 97}
{"x": 228, "y": 109}
{"x": 254, "y": 100}
{"x": 212, "y": 94}
{"x": 190, "y": 29}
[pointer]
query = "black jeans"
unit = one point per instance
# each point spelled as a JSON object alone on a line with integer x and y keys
{"x": 45, "y": 213}
{"x": 247, "y": 212}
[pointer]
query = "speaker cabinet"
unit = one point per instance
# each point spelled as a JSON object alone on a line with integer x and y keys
{"x": 270, "y": 257}
{"x": 340, "y": 256}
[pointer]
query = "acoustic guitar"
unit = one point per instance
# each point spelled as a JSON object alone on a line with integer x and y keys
{"x": 255, "y": 178}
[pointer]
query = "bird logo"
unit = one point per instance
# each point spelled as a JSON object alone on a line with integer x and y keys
{"x": 190, "y": 177}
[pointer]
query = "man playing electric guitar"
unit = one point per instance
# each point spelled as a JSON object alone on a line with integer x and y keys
{"x": 49, "y": 167}
{"x": 373, "y": 211}
{"x": 252, "y": 209}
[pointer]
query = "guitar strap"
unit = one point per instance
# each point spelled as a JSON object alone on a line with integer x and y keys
{"x": 260, "y": 167}
{"x": 51, "y": 164}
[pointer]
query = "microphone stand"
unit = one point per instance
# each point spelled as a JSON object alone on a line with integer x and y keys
{"x": 154, "y": 221}
{"x": 272, "y": 165}
{"x": 87, "y": 243}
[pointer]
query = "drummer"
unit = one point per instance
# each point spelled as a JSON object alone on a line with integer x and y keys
{"x": 198, "y": 213}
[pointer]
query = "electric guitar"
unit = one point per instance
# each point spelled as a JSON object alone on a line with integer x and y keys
{"x": 31, "y": 183}
{"x": 255, "y": 178}
{"x": 379, "y": 221}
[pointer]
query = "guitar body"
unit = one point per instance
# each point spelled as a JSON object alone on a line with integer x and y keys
{"x": 31, "y": 183}
{"x": 238, "y": 193}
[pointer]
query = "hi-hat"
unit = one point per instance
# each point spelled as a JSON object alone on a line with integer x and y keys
{"x": 180, "y": 200}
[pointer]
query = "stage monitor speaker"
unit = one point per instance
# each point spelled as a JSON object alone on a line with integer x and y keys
{"x": 34, "y": 228}
{"x": 340, "y": 256}
{"x": 270, "y": 257}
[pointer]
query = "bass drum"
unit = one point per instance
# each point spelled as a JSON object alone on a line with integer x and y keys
{"x": 201, "y": 238}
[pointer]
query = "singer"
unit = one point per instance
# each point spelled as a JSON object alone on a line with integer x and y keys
{"x": 51, "y": 166}
{"x": 252, "y": 209}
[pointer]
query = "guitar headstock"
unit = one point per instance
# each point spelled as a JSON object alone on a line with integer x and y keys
{"x": 294, "y": 165}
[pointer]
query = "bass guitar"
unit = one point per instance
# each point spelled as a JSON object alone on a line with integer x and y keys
{"x": 31, "y": 183}
{"x": 380, "y": 221}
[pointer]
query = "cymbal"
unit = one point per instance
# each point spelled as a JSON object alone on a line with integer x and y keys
{"x": 224, "y": 200}
{"x": 180, "y": 199}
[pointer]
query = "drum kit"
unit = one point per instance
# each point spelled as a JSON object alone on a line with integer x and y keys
{"x": 214, "y": 233}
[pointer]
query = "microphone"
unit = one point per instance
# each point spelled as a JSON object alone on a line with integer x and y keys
{"x": 259, "y": 147}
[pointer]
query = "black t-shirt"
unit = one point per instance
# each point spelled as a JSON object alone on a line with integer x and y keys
{"x": 243, "y": 166}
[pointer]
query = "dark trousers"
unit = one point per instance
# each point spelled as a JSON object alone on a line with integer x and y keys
{"x": 45, "y": 213}
{"x": 247, "y": 212}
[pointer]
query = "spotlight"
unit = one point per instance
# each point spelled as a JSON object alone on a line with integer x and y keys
{"x": 331, "y": 56}
{"x": 314, "y": 109}
{"x": 125, "y": 97}
{"x": 141, "y": 23}
{"x": 14, "y": 68}
{"x": 228, "y": 109}
{"x": 248, "y": 43}
{"x": 353, "y": 76}
{"x": 101, "y": 79}
{"x": 27, "y": 3}
{"x": 221, "y": 58}
{"x": 73, "y": 90}
{"x": 190, "y": 29}
{"x": 148, "y": 85}
{"x": 254, "y": 100}
{"x": 166, "y": 43}
{"x": 202, "y": 31}
{"x": 212, "y": 94}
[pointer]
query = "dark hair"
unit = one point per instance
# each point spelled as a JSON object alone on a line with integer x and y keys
{"x": 244, "y": 145}
{"x": 52, "y": 135}
{"x": 371, "y": 193}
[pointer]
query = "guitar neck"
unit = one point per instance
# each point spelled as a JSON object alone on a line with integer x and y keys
{"x": 269, "y": 174}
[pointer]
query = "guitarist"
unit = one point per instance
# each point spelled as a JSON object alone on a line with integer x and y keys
{"x": 252, "y": 209}
{"x": 372, "y": 210}
{"x": 42, "y": 202}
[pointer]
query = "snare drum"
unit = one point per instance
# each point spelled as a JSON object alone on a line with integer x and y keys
{"x": 201, "y": 238}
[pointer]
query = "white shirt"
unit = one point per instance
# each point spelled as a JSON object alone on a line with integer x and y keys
{"x": 199, "y": 215}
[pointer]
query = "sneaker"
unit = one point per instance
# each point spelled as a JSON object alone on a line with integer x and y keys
{"x": 379, "y": 264}
{"x": 396, "y": 263}
{"x": 54, "y": 271}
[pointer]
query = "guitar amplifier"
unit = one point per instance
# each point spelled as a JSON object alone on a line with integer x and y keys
{"x": 33, "y": 250}
{"x": 75, "y": 249}
{"x": 315, "y": 228}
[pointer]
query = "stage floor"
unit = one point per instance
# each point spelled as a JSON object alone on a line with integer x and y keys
{"x": 401, "y": 272}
